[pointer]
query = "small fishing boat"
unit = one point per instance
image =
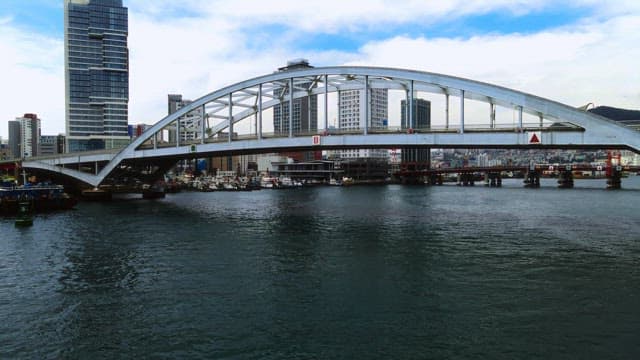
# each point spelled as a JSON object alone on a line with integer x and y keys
{"x": 25, "y": 214}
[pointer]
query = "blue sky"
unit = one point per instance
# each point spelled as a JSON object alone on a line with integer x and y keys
{"x": 573, "y": 51}
{"x": 46, "y": 17}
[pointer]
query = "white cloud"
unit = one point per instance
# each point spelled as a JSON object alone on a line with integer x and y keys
{"x": 594, "y": 61}
{"x": 32, "y": 73}
{"x": 331, "y": 16}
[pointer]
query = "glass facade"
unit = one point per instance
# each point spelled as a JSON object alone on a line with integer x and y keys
{"x": 97, "y": 74}
{"x": 421, "y": 120}
{"x": 301, "y": 121}
{"x": 304, "y": 116}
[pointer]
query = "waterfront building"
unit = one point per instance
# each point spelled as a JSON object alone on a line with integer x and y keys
{"x": 317, "y": 171}
{"x": 265, "y": 162}
{"x": 14, "y": 138}
{"x": 304, "y": 118}
{"x": 421, "y": 114}
{"x": 49, "y": 145}
{"x": 96, "y": 74}
{"x": 351, "y": 110}
{"x": 190, "y": 123}
{"x": 239, "y": 164}
{"x": 421, "y": 120}
{"x": 482, "y": 160}
{"x": 5, "y": 152}
{"x": 366, "y": 170}
{"x": 24, "y": 136}
{"x": 62, "y": 143}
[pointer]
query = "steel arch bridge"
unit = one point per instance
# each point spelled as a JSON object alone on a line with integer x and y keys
{"x": 245, "y": 104}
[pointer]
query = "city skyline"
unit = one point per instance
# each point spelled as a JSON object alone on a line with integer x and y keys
{"x": 575, "y": 54}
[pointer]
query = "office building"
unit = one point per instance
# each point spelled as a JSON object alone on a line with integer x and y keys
{"x": 96, "y": 74}
{"x": 190, "y": 123}
{"x": 351, "y": 110}
{"x": 49, "y": 145}
{"x": 421, "y": 120}
{"x": 24, "y": 136}
{"x": 14, "y": 138}
{"x": 304, "y": 118}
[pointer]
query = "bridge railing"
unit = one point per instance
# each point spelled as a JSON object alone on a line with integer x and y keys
{"x": 224, "y": 138}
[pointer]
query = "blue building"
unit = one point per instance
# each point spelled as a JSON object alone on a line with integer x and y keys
{"x": 96, "y": 74}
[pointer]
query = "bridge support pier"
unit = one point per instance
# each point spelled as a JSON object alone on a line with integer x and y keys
{"x": 435, "y": 179}
{"x": 614, "y": 179}
{"x": 532, "y": 179}
{"x": 565, "y": 179}
{"x": 466, "y": 179}
{"x": 493, "y": 179}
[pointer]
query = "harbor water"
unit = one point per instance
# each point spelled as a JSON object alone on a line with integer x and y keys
{"x": 370, "y": 272}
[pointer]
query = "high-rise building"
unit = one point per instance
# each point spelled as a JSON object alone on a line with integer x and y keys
{"x": 351, "y": 110}
{"x": 190, "y": 123}
{"x": 96, "y": 74}
{"x": 305, "y": 109}
{"x": 24, "y": 136}
{"x": 421, "y": 120}
{"x": 14, "y": 138}
{"x": 48, "y": 145}
{"x": 304, "y": 118}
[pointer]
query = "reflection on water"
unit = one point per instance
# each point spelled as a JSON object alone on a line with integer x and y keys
{"x": 373, "y": 272}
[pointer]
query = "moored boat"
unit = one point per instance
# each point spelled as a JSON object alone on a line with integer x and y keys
{"x": 25, "y": 213}
{"x": 42, "y": 197}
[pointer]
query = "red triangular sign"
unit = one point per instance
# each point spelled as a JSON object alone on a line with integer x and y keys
{"x": 534, "y": 139}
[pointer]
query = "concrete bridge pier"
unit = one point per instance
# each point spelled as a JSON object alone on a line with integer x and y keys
{"x": 493, "y": 179}
{"x": 466, "y": 179}
{"x": 565, "y": 178}
{"x": 614, "y": 178}
{"x": 532, "y": 179}
{"x": 435, "y": 179}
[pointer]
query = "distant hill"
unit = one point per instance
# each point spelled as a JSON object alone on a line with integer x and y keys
{"x": 616, "y": 114}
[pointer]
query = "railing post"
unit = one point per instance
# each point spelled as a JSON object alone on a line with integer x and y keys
{"x": 308, "y": 112}
{"x": 519, "y": 118}
{"x": 203, "y": 124}
{"x": 290, "y": 107}
{"x": 411, "y": 120}
{"x": 541, "y": 119}
{"x": 230, "y": 116}
{"x": 259, "y": 131}
{"x": 366, "y": 104}
{"x": 462, "y": 111}
{"x": 178, "y": 132}
{"x": 326, "y": 102}
{"x": 492, "y": 115}
{"x": 446, "y": 110}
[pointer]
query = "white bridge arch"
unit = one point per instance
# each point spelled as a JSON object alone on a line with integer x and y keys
{"x": 559, "y": 125}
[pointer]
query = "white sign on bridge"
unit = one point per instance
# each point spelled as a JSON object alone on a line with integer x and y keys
{"x": 315, "y": 140}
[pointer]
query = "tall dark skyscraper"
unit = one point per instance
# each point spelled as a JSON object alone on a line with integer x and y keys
{"x": 96, "y": 74}
{"x": 421, "y": 120}
{"x": 304, "y": 117}
{"x": 305, "y": 109}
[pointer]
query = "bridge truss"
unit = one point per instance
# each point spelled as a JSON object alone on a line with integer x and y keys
{"x": 236, "y": 119}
